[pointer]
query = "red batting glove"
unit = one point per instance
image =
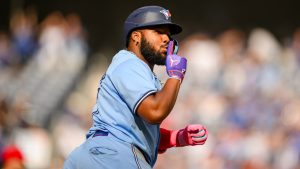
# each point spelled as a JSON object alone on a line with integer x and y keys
{"x": 191, "y": 135}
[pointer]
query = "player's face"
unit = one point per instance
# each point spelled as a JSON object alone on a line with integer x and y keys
{"x": 154, "y": 43}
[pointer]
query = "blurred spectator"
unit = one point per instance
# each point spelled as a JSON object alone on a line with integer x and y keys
{"x": 23, "y": 30}
{"x": 6, "y": 52}
{"x": 52, "y": 41}
{"x": 232, "y": 77}
{"x": 204, "y": 56}
{"x": 263, "y": 46}
{"x": 296, "y": 45}
{"x": 3, "y": 112}
{"x": 12, "y": 158}
{"x": 291, "y": 62}
{"x": 36, "y": 145}
{"x": 76, "y": 33}
{"x": 232, "y": 43}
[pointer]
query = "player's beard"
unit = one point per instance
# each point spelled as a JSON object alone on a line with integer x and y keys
{"x": 150, "y": 54}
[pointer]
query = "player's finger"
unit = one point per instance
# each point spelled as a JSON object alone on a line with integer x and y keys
{"x": 197, "y": 133}
{"x": 199, "y": 137}
{"x": 199, "y": 140}
{"x": 195, "y": 128}
{"x": 199, "y": 143}
{"x": 170, "y": 47}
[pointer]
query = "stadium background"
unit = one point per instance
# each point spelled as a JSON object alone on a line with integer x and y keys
{"x": 243, "y": 80}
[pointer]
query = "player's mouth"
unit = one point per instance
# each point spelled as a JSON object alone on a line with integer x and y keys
{"x": 164, "y": 52}
{"x": 165, "y": 49}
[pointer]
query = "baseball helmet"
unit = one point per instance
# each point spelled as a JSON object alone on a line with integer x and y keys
{"x": 150, "y": 16}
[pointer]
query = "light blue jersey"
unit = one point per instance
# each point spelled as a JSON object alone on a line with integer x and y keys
{"x": 127, "y": 82}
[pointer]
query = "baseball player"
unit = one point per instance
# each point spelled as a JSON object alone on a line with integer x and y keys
{"x": 131, "y": 103}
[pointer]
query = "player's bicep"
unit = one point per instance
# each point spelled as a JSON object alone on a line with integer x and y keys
{"x": 134, "y": 83}
{"x": 146, "y": 108}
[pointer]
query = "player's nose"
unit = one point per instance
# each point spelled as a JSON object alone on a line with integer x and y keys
{"x": 166, "y": 38}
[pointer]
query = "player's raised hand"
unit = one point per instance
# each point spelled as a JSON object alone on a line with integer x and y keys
{"x": 192, "y": 135}
{"x": 175, "y": 65}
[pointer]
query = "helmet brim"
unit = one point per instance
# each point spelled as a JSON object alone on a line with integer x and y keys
{"x": 174, "y": 28}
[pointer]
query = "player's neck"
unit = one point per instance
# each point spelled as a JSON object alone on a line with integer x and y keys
{"x": 137, "y": 53}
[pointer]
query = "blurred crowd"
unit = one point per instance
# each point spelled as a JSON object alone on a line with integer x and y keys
{"x": 40, "y": 64}
{"x": 244, "y": 87}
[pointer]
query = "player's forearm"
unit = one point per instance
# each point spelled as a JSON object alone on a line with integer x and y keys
{"x": 155, "y": 108}
{"x": 166, "y": 98}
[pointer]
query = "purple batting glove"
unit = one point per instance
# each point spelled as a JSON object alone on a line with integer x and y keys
{"x": 175, "y": 65}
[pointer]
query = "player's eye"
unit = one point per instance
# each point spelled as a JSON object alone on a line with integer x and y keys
{"x": 159, "y": 32}
{"x": 163, "y": 33}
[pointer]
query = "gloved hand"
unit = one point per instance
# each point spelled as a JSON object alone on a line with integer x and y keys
{"x": 175, "y": 65}
{"x": 191, "y": 135}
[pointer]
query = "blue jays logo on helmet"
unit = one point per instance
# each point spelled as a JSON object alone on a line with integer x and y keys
{"x": 166, "y": 13}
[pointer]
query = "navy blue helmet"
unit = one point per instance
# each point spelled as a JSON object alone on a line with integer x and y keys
{"x": 150, "y": 16}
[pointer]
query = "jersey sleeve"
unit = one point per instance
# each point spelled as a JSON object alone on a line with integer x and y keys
{"x": 133, "y": 81}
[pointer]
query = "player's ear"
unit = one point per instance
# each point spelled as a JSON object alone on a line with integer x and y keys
{"x": 136, "y": 37}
